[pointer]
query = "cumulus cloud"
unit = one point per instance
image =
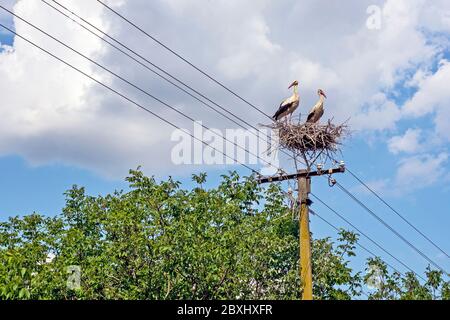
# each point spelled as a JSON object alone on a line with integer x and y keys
{"x": 409, "y": 142}
{"x": 379, "y": 186}
{"x": 420, "y": 172}
{"x": 379, "y": 113}
{"x": 51, "y": 114}
{"x": 433, "y": 97}
{"x": 5, "y": 17}
{"x": 413, "y": 173}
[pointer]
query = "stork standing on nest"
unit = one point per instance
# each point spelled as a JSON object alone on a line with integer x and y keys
{"x": 317, "y": 111}
{"x": 288, "y": 106}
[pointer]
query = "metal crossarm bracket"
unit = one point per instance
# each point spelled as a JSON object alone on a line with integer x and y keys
{"x": 300, "y": 174}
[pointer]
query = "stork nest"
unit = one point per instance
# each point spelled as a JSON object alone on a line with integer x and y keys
{"x": 310, "y": 140}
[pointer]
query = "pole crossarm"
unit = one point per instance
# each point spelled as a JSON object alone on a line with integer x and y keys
{"x": 300, "y": 174}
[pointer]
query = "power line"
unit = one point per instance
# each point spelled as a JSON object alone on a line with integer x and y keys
{"x": 397, "y": 213}
{"x": 268, "y": 223}
{"x": 368, "y": 237}
{"x": 244, "y": 100}
{"x": 338, "y": 230}
{"x": 158, "y": 68}
{"x": 120, "y": 94}
{"x": 360, "y": 245}
{"x": 113, "y": 90}
{"x": 144, "y": 59}
{"x": 357, "y": 243}
{"x": 130, "y": 83}
{"x": 238, "y": 96}
{"x": 373, "y": 214}
{"x": 183, "y": 59}
{"x": 157, "y": 99}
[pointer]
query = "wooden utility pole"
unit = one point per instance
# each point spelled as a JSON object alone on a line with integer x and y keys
{"x": 304, "y": 188}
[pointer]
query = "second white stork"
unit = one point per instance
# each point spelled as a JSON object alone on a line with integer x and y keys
{"x": 317, "y": 111}
{"x": 288, "y": 106}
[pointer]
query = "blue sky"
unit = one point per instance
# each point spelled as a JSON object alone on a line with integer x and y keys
{"x": 6, "y": 38}
{"x": 70, "y": 132}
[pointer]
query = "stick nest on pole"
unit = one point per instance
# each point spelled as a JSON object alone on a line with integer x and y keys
{"x": 310, "y": 140}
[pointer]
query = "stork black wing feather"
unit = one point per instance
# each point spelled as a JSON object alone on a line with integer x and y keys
{"x": 310, "y": 116}
{"x": 281, "y": 110}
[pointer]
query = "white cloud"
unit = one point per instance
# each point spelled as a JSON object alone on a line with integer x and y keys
{"x": 379, "y": 186}
{"x": 49, "y": 113}
{"x": 419, "y": 172}
{"x": 413, "y": 173}
{"x": 433, "y": 97}
{"x": 409, "y": 142}
{"x": 8, "y": 4}
{"x": 436, "y": 16}
{"x": 379, "y": 114}
{"x": 5, "y": 17}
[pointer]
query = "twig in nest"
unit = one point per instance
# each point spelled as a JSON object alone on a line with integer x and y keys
{"x": 310, "y": 140}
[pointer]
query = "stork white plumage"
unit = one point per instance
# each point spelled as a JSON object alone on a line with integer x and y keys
{"x": 317, "y": 111}
{"x": 288, "y": 106}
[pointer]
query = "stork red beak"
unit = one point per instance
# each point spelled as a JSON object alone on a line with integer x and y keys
{"x": 323, "y": 93}
{"x": 292, "y": 84}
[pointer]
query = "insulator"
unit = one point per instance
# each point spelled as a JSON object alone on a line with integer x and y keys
{"x": 331, "y": 181}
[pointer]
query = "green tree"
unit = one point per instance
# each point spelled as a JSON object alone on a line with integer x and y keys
{"x": 390, "y": 286}
{"x": 160, "y": 241}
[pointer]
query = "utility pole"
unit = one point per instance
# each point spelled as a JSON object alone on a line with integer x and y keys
{"x": 304, "y": 188}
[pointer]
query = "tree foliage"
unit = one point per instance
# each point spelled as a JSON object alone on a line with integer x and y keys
{"x": 160, "y": 241}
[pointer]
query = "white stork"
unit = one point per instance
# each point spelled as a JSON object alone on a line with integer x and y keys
{"x": 317, "y": 111}
{"x": 288, "y": 106}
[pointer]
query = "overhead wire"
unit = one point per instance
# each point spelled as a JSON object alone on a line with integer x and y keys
{"x": 131, "y": 84}
{"x": 182, "y": 58}
{"x": 152, "y": 95}
{"x": 387, "y": 225}
{"x": 190, "y": 63}
{"x": 396, "y": 212}
{"x": 236, "y": 95}
{"x": 165, "y": 72}
{"x": 357, "y": 243}
{"x": 368, "y": 237}
{"x": 123, "y": 96}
